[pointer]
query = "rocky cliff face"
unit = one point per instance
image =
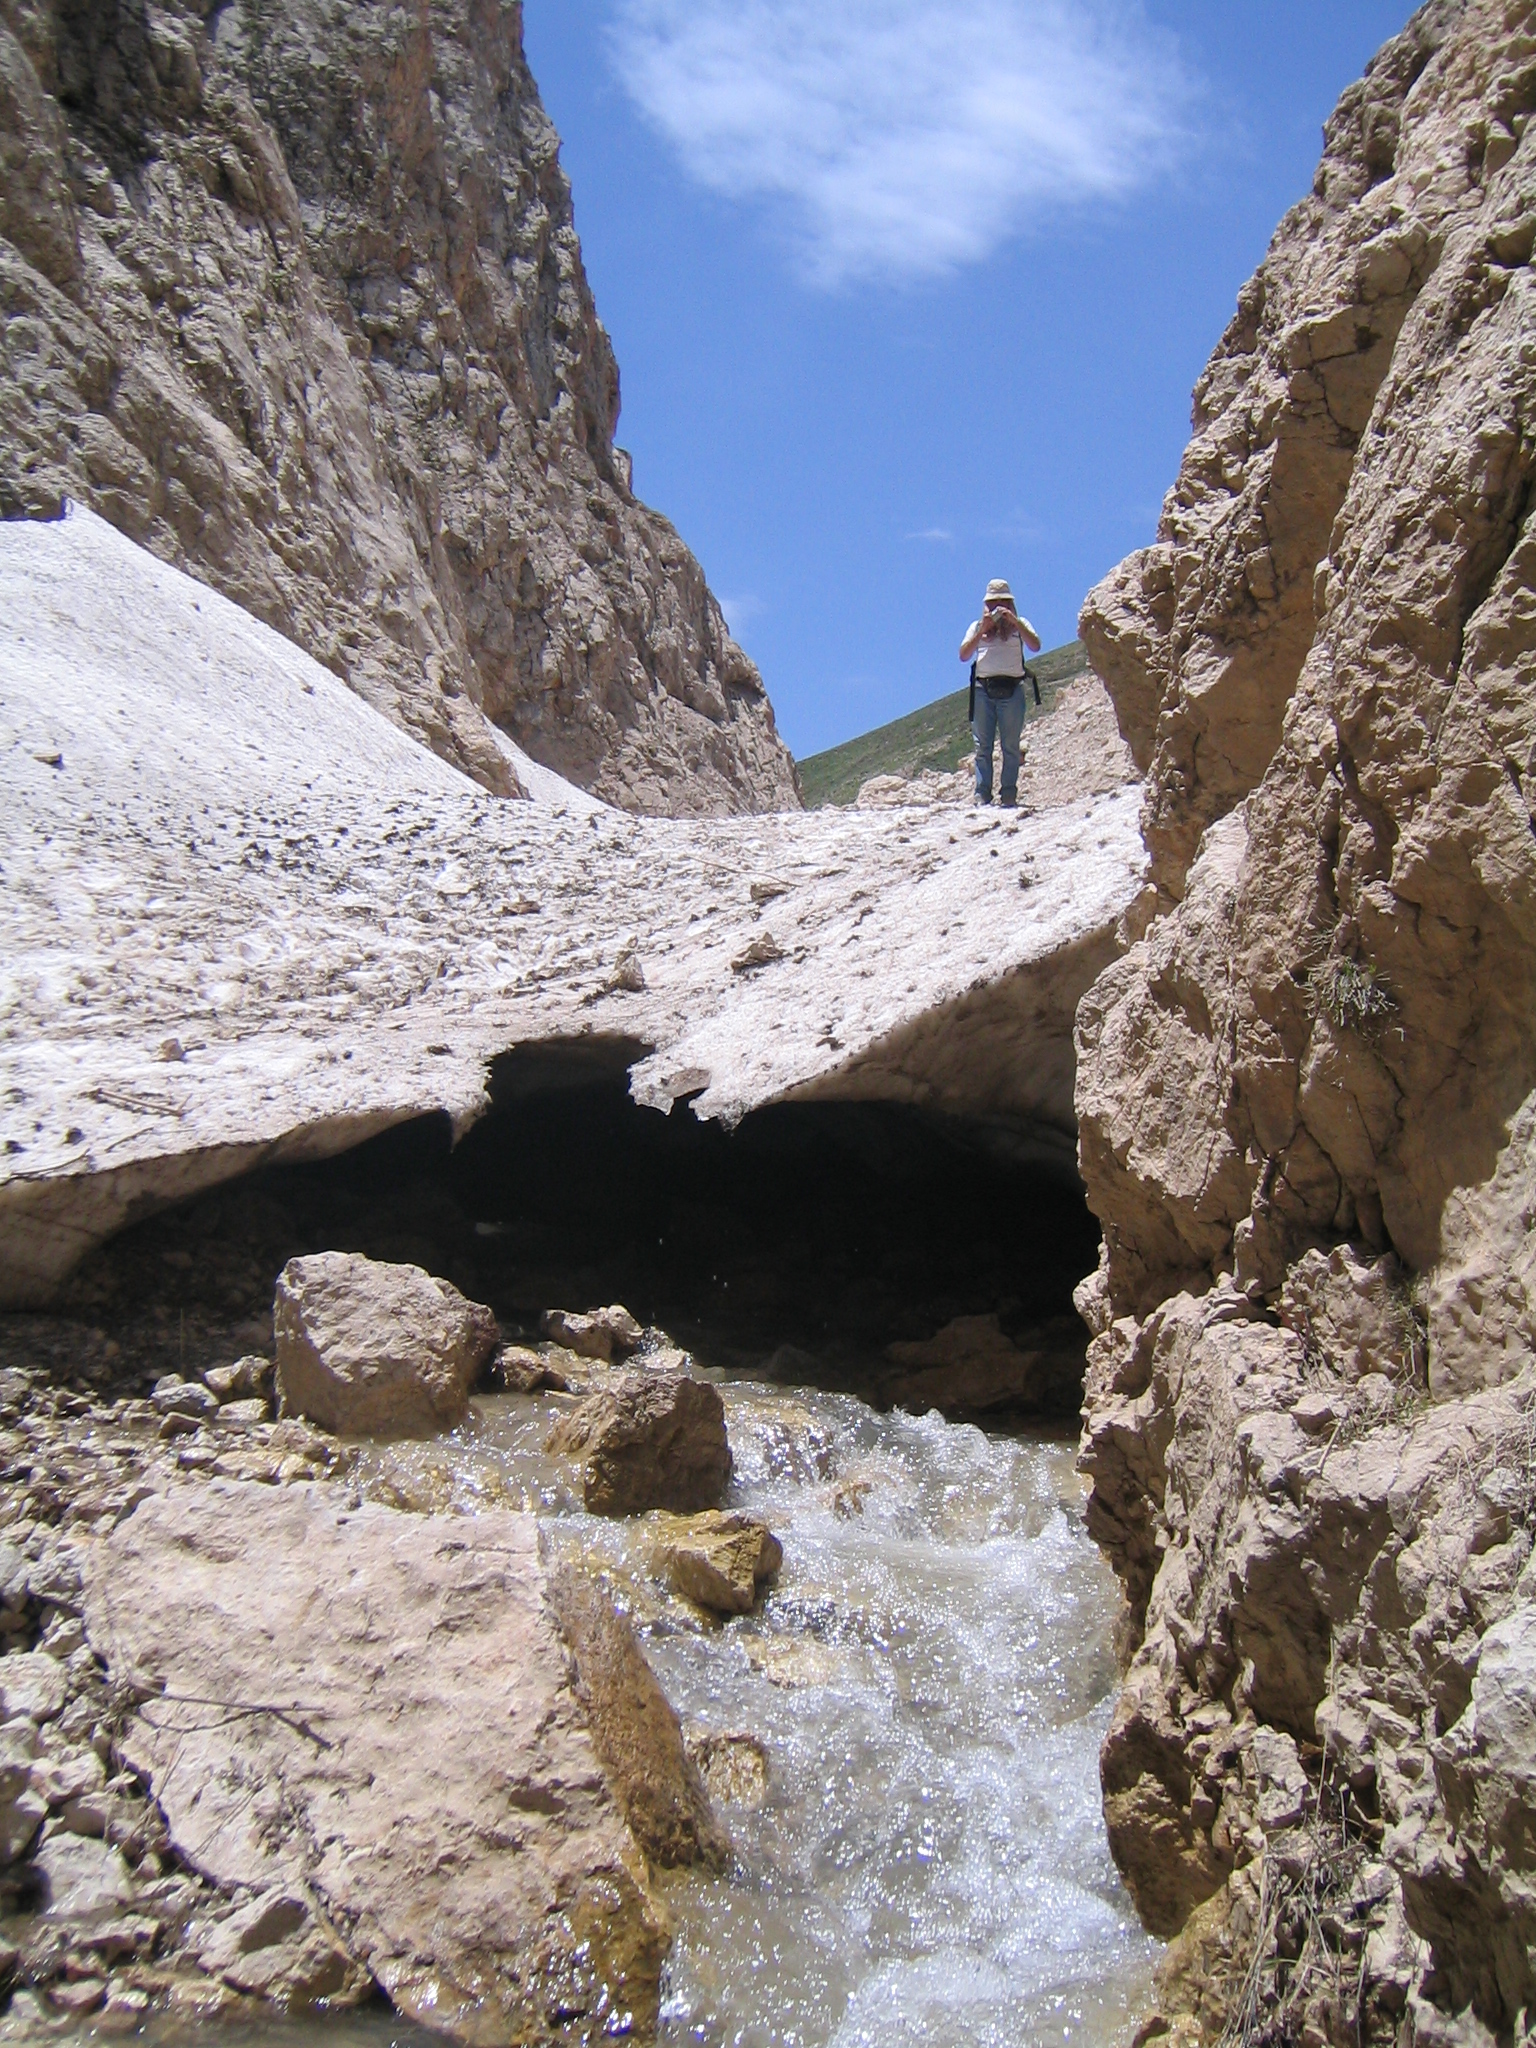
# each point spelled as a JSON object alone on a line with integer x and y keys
{"x": 1308, "y": 1103}
{"x": 292, "y": 294}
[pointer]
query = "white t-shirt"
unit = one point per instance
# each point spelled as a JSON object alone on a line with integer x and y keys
{"x": 999, "y": 657}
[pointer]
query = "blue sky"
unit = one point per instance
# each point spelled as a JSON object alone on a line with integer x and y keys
{"x": 911, "y": 293}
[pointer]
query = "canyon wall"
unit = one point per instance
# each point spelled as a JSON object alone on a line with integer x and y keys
{"x": 291, "y": 293}
{"x": 1307, "y": 1101}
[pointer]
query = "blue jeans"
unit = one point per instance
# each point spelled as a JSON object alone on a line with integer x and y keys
{"x": 1005, "y": 720}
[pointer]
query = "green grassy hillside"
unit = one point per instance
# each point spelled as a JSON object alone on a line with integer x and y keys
{"x": 935, "y": 737}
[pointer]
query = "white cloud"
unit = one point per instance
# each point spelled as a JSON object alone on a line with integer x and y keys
{"x": 903, "y": 139}
{"x": 939, "y": 534}
{"x": 740, "y": 611}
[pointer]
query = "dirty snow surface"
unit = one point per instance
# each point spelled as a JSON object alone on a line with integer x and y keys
{"x": 244, "y": 915}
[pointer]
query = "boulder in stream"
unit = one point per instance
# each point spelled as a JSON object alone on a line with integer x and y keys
{"x": 522, "y": 1369}
{"x": 652, "y": 1440}
{"x": 733, "y": 1765}
{"x": 390, "y": 1723}
{"x": 595, "y": 1333}
{"x": 639, "y": 1738}
{"x": 719, "y": 1559}
{"x": 366, "y": 1349}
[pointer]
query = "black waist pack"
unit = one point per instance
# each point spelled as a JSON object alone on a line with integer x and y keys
{"x": 999, "y": 688}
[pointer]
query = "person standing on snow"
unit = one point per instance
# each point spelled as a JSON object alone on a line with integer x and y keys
{"x": 996, "y": 644}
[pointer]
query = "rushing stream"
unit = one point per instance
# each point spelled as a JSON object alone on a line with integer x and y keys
{"x": 916, "y": 1707}
{"x": 931, "y": 1678}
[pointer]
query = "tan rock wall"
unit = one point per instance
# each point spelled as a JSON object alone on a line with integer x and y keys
{"x": 294, "y": 296}
{"x": 1307, "y": 1097}
{"x": 1201, "y": 636}
{"x": 1347, "y": 987}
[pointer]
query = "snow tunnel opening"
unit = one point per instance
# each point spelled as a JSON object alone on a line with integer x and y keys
{"x": 914, "y": 1258}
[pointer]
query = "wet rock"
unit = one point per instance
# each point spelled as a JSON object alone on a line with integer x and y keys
{"x": 654, "y": 1440}
{"x": 367, "y": 1349}
{"x": 520, "y": 1369}
{"x": 734, "y": 1767}
{"x": 603, "y": 1333}
{"x": 638, "y": 1736}
{"x": 971, "y": 1367}
{"x": 438, "y": 1797}
{"x": 848, "y": 1497}
{"x": 556, "y": 1368}
{"x": 795, "y": 1661}
{"x": 718, "y": 1559}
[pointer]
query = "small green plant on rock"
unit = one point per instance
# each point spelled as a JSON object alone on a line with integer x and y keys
{"x": 1353, "y": 995}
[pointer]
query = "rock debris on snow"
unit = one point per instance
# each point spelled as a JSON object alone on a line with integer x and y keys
{"x": 339, "y": 930}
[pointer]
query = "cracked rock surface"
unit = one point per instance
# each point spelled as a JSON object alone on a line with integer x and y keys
{"x": 1307, "y": 1113}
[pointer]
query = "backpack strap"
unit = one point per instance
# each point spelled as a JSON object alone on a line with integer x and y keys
{"x": 1029, "y": 675}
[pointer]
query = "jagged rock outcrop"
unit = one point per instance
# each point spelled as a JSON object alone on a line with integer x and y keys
{"x": 293, "y": 295}
{"x": 1308, "y": 1102}
{"x": 1202, "y": 636}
